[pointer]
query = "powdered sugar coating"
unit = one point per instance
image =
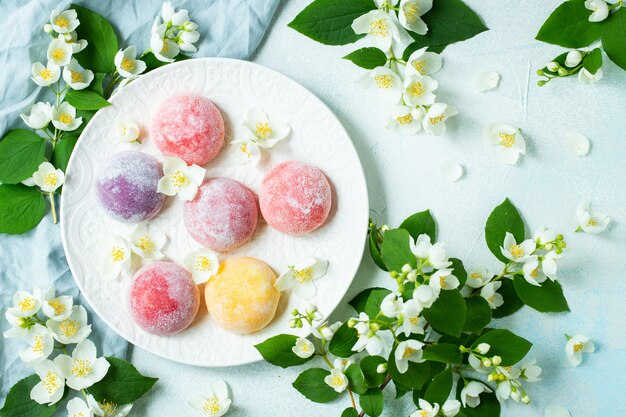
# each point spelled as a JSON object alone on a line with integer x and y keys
{"x": 242, "y": 297}
{"x": 295, "y": 198}
{"x": 163, "y": 298}
{"x": 190, "y": 127}
{"x": 223, "y": 215}
{"x": 127, "y": 187}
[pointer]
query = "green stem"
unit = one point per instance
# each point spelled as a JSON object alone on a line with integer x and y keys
{"x": 54, "y": 210}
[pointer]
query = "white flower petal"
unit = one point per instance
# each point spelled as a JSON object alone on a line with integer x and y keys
{"x": 451, "y": 170}
{"x": 578, "y": 144}
{"x": 487, "y": 80}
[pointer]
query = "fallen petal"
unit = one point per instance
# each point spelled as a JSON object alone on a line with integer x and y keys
{"x": 451, "y": 170}
{"x": 577, "y": 143}
{"x": 487, "y": 80}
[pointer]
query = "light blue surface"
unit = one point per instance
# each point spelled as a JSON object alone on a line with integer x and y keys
{"x": 228, "y": 28}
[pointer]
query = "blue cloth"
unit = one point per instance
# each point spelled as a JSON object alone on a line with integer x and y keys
{"x": 228, "y": 28}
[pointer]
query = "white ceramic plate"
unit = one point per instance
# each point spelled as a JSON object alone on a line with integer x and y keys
{"x": 234, "y": 86}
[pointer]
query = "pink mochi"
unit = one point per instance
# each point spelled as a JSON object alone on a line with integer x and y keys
{"x": 163, "y": 298}
{"x": 189, "y": 127}
{"x": 295, "y": 198}
{"x": 223, "y": 215}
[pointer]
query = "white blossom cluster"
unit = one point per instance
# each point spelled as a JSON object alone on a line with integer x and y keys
{"x": 173, "y": 32}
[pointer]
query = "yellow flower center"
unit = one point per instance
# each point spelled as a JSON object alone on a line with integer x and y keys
{"x": 179, "y": 180}
{"x": 414, "y": 320}
{"x": 211, "y": 406}
{"x": 507, "y": 140}
{"x": 379, "y": 28}
{"x": 118, "y": 254}
{"x": 437, "y": 119}
{"x": 305, "y": 348}
{"x": 77, "y": 77}
{"x": 534, "y": 273}
{"x": 416, "y": 89}
{"x": 517, "y": 251}
{"x": 108, "y": 407}
{"x": 81, "y": 414}
{"x": 424, "y": 413}
{"x": 50, "y": 382}
{"x": 408, "y": 352}
{"x": 61, "y": 22}
{"x": 244, "y": 149}
{"x": 127, "y": 64}
{"x": 38, "y": 345}
{"x": 46, "y": 74}
{"x": 383, "y": 81}
{"x": 58, "y": 54}
{"x": 69, "y": 328}
{"x": 146, "y": 244}
{"x": 406, "y": 119}
{"x": 81, "y": 367}
{"x": 165, "y": 47}
{"x": 26, "y": 304}
{"x": 419, "y": 66}
{"x": 578, "y": 347}
{"x": 50, "y": 179}
{"x": 303, "y": 275}
{"x": 592, "y": 221}
{"x": 57, "y": 306}
{"x": 442, "y": 282}
{"x": 411, "y": 11}
{"x": 203, "y": 263}
{"x": 476, "y": 275}
{"x": 337, "y": 381}
{"x": 263, "y": 130}
{"x": 65, "y": 118}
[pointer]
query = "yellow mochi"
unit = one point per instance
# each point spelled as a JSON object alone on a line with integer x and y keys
{"x": 242, "y": 297}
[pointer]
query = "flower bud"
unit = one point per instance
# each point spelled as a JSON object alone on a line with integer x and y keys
{"x": 525, "y": 399}
{"x": 294, "y": 312}
{"x": 540, "y": 72}
{"x": 563, "y": 72}
{"x": 374, "y": 327}
{"x": 393, "y": 274}
{"x": 559, "y": 237}
{"x": 541, "y": 83}
{"x": 406, "y": 268}
{"x": 384, "y": 228}
{"x": 549, "y": 246}
{"x": 412, "y": 276}
{"x": 490, "y": 378}
{"x": 553, "y": 66}
{"x": 47, "y": 28}
{"x": 483, "y": 348}
{"x": 496, "y": 360}
{"x": 486, "y": 362}
{"x": 574, "y": 57}
{"x": 382, "y": 368}
{"x": 299, "y": 323}
{"x": 351, "y": 323}
{"x": 292, "y": 323}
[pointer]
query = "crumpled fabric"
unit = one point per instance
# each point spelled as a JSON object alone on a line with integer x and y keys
{"x": 228, "y": 28}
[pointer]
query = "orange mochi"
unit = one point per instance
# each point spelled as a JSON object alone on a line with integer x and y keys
{"x": 242, "y": 297}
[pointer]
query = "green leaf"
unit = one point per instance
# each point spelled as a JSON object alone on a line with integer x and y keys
{"x": 97, "y": 84}
{"x": 395, "y": 250}
{"x": 421, "y": 223}
{"x": 21, "y": 153}
{"x": 368, "y": 58}
{"x": 447, "y": 314}
{"x": 369, "y": 367}
{"x": 372, "y": 402}
{"x": 356, "y": 379}
{"x": 419, "y": 44}
{"x": 343, "y": 341}
{"x": 504, "y": 218}
{"x": 443, "y": 352}
{"x": 153, "y": 63}
{"x": 448, "y": 22}
{"x": 548, "y": 298}
{"x": 123, "y": 384}
{"x": 569, "y": 26}
{"x": 277, "y": 351}
{"x": 614, "y": 37}
{"x": 414, "y": 378}
{"x": 489, "y": 405}
{"x": 21, "y": 208}
{"x": 459, "y": 271}
{"x": 368, "y": 301}
{"x": 86, "y": 100}
{"x": 350, "y": 412}
{"x": 478, "y": 314}
{"x": 19, "y": 404}
{"x": 375, "y": 250}
{"x": 63, "y": 150}
{"x": 512, "y": 302}
{"x": 509, "y": 346}
{"x": 330, "y": 21}
{"x": 593, "y": 61}
{"x": 102, "y": 46}
{"x": 440, "y": 388}
{"x": 310, "y": 383}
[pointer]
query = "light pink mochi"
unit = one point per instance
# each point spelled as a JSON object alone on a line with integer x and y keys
{"x": 190, "y": 127}
{"x": 163, "y": 298}
{"x": 295, "y": 198}
{"x": 223, "y": 215}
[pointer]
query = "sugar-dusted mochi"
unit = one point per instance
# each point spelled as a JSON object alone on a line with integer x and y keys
{"x": 189, "y": 127}
{"x": 163, "y": 298}
{"x": 223, "y": 214}
{"x": 242, "y": 297}
{"x": 295, "y": 198}
{"x": 127, "y": 187}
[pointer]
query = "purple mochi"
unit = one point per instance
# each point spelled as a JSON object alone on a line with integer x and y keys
{"x": 127, "y": 187}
